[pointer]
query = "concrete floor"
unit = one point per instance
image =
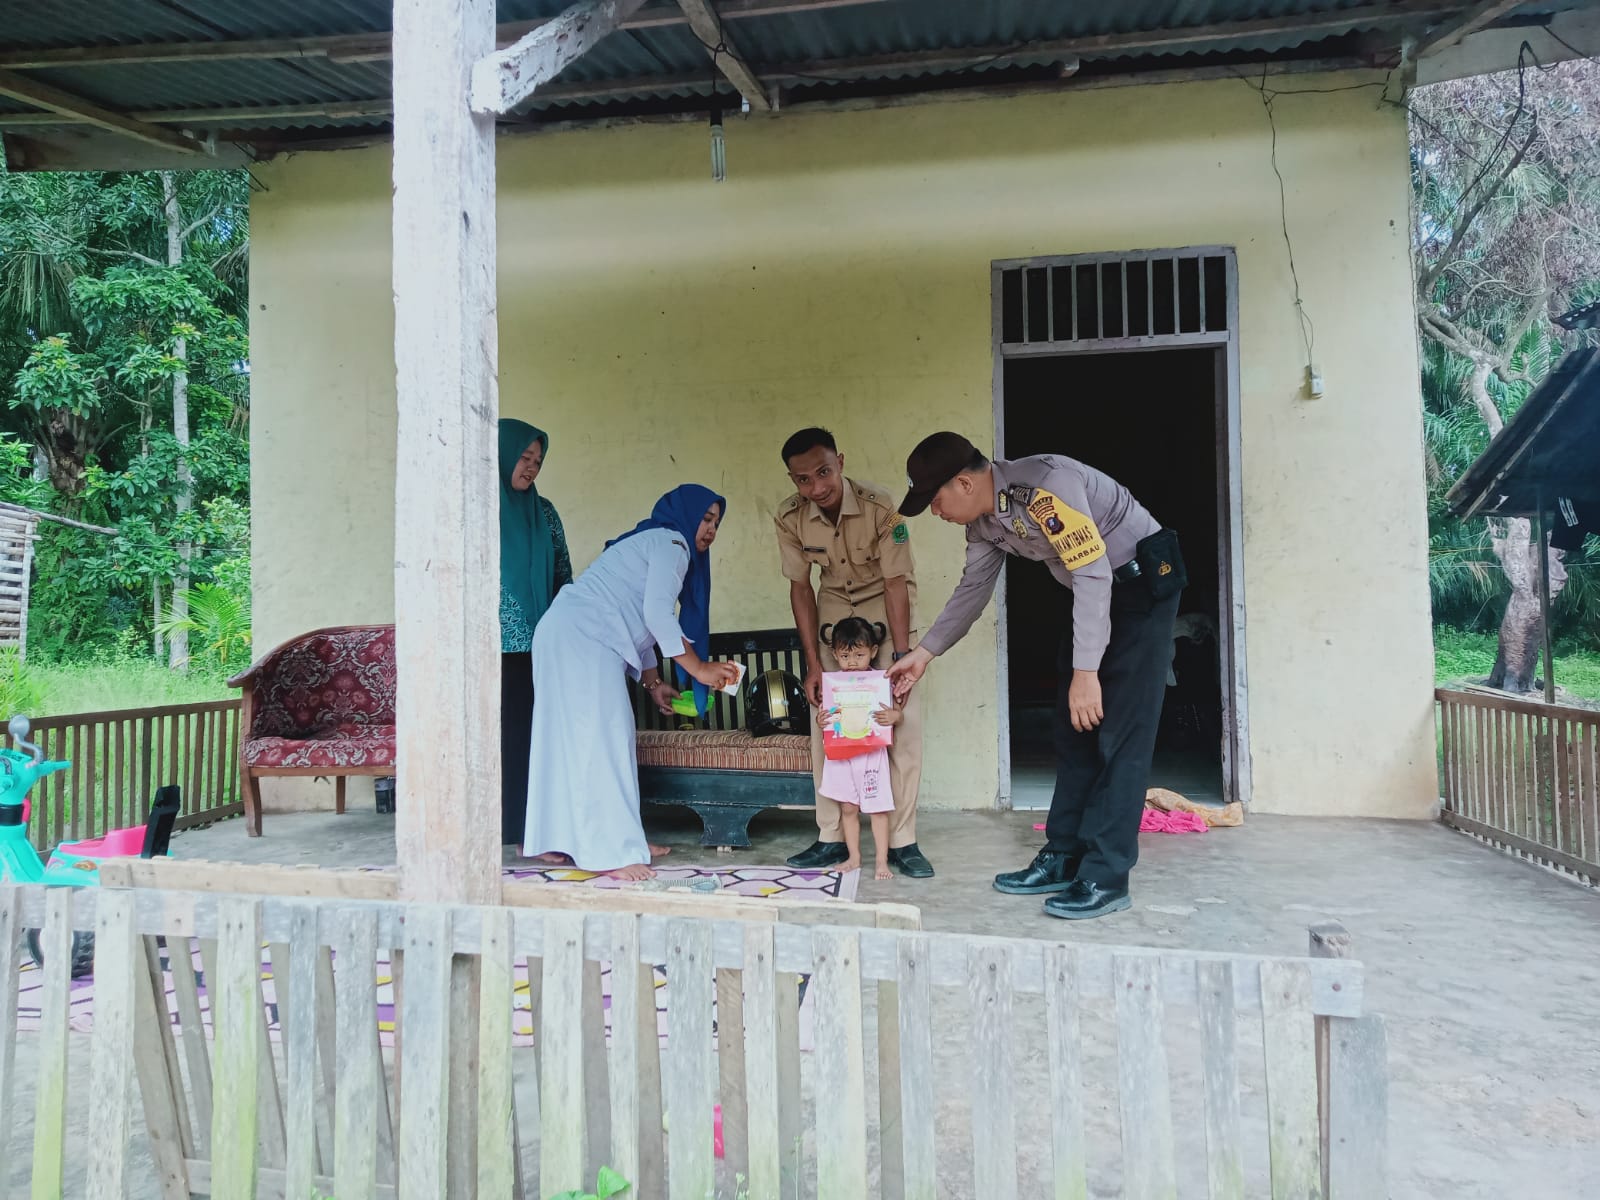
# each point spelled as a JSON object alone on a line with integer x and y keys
{"x": 1486, "y": 969}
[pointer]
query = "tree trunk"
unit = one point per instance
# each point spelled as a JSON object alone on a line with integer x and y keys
{"x": 1521, "y": 630}
{"x": 158, "y": 643}
{"x": 64, "y": 441}
{"x": 179, "y": 642}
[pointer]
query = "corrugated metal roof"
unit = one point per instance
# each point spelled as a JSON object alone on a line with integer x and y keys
{"x": 664, "y": 66}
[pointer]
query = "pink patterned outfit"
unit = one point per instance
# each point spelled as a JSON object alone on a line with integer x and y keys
{"x": 862, "y": 781}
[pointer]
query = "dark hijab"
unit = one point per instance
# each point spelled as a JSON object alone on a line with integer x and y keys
{"x": 681, "y": 510}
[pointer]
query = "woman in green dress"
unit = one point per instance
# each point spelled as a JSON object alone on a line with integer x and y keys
{"x": 534, "y": 566}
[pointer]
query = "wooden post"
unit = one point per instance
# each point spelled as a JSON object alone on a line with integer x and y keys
{"x": 234, "y": 985}
{"x": 1359, "y": 1098}
{"x": 1288, "y": 1038}
{"x": 1329, "y": 939}
{"x": 447, "y": 574}
{"x": 118, "y": 959}
{"x": 425, "y": 1106}
{"x": 1542, "y": 547}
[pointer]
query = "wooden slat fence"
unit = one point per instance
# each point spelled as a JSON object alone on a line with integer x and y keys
{"x": 1524, "y": 776}
{"x": 1010, "y": 1056}
{"x": 119, "y": 759}
{"x": 17, "y": 531}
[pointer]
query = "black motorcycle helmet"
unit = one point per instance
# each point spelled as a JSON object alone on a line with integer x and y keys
{"x": 775, "y": 703}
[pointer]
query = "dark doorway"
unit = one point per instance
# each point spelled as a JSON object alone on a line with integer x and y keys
{"x": 1148, "y": 419}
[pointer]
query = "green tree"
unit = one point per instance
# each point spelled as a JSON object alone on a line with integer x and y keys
{"x": 1506, "y": 173}
{"x": 122, "y": 352}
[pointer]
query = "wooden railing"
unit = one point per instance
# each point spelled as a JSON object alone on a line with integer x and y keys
{"x": 120, "y": 758}
{"x": 977, "y": 1066}
{"x": 1524, "y": 776}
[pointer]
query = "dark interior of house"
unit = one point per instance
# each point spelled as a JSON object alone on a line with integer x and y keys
{"x": 1149, "y": 420}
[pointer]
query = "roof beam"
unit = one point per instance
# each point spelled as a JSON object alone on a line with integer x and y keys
{"x": 725, "y": 56}
{"x": 1067, "y": 50}
{"x": 374, "y": 47}
{"x": 46, "y": 96}
{"x": 369, "y": 47}
{"x": 504, "y": 79}
{"x": 1465, "y": 24}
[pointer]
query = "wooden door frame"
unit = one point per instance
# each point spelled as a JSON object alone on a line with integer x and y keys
{"x": 1230, "y": 497}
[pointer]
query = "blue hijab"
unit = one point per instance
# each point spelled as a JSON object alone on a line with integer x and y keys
{"x": 681, "y": 510}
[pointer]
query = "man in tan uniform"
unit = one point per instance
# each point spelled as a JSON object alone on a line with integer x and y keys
{"x": 856, "y": 539}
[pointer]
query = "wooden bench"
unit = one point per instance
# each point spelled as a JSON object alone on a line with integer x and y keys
{"x": 715, "y": 766}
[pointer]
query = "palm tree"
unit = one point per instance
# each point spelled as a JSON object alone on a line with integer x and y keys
{"x": 217, "y": 620}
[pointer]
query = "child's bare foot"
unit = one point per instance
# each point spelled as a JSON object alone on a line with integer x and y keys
{"x": 659, "y": 851}
{"x": 850, "y": 864}
{"x": 553, "y": 859}
{"x": 633, "y": 874}
{"x": 881, "y": 870}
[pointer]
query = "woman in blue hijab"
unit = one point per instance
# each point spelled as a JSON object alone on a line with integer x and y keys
{"x": 650, "y": 588}
{"x": 534, "y": 566}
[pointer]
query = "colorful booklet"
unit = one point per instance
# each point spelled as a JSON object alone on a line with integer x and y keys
{"x": 856, "y": 695}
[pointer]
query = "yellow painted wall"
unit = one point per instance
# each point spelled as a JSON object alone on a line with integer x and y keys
{"x": 664, "y": 329}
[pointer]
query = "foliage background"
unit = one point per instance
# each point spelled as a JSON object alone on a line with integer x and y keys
{"x": 117, "y": 291}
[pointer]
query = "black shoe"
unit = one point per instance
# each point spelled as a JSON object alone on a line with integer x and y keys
{"x": 913, "y": 863}
{"x": 1085, "y": 899}
{"x": 818, "y": 855}
{"x": 1050, "y": 871}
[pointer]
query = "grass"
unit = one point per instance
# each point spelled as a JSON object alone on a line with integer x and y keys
{"x": 1461, "y": 655}
{"x": 130, "y": 683}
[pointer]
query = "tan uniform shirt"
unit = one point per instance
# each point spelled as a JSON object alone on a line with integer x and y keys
{"x": 869, "y": 544}
{"x": 1079, "y": 522}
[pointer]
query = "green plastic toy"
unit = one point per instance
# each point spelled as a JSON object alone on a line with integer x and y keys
{"x": 72, "y": 864}
{"x": 20, "y": 769}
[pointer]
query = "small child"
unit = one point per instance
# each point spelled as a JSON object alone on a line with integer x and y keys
{"x": 860, "y": 784}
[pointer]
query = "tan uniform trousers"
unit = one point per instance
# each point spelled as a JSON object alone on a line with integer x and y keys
{"x": 905, "y": 755}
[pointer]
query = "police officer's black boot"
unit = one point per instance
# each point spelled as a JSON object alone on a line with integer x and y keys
{"x": 819, "y": 855}
{"x": 1050, "y": 871}
{"x": 1085, "y": 899}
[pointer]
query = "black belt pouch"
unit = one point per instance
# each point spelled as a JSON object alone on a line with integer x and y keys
{"x": 1161, "y": 564}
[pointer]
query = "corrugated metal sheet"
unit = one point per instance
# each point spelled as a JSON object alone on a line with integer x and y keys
{"x": 669, "y": 61}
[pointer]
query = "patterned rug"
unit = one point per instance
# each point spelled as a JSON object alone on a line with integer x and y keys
{"x": 741, "y": 881}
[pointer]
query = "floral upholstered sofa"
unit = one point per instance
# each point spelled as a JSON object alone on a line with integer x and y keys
{"x": 321, "y": 704}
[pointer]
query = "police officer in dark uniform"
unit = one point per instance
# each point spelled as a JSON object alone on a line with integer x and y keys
{"x": 1125, "y": 574}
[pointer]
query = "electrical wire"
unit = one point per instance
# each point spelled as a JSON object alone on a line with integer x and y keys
{"x": 1308, "y": 327}
{"x": 1586, "y": 57}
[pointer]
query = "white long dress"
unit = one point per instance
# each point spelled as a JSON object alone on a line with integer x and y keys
{"x": 583, "y": 775}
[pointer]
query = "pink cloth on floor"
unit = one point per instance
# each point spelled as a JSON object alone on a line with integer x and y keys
{"x": 862, "y": 781}
{"x": 1153, "y": 820}
{"x": 1156, "y": 821}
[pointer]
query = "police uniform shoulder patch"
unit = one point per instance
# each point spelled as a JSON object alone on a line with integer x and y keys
{"x": 1022, "y": 494}
{"x": 902, "y": 535}
{"x": 1071, "y": 534}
